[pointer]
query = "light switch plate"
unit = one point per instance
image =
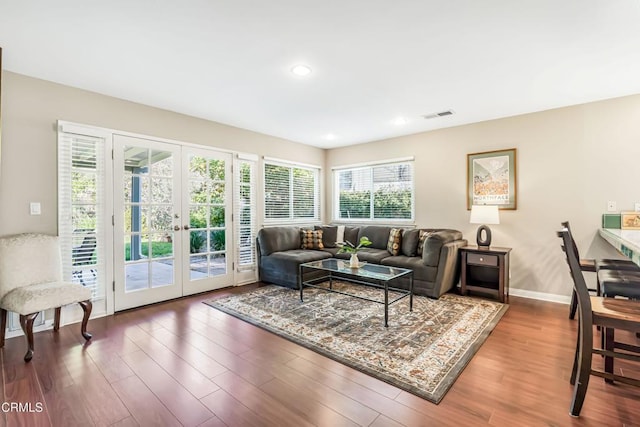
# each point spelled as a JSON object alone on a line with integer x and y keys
{"x": 637, "y": 207}
{"x": 34, "y": 208}
{"x": 611, "y": 206}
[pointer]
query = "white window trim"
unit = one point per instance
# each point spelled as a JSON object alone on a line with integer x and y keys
{"x": 267, "y": 222}
{"x": 371, "y": 221}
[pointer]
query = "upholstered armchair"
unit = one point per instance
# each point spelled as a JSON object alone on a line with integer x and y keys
{"x": 31, "y": 282}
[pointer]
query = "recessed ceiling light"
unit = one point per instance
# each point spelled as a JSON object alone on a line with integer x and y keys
{"x": 301, "y": 70}
{"x": 399, "y": 121}
{"x": 330, "y": 137}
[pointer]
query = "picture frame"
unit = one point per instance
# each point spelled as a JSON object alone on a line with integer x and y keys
{"x": 491, "y": 179}
{"x": 630, "y": 220}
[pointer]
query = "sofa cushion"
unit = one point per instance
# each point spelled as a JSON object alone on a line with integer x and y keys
{"x": 410, "y": 242}
{"x": 420, "y": 271}
{"x": 292, "y": 259}
{"x": 332, "y": 251}
{"x": 311, "y": 239}
{"x": 378, "y": 235}
{"x": 394, "y": 241}
{"x": 276, "y": 239}
{"x": 367, "y": 254}
{"x": 351, "y": 234}
{"x": 329, "y": 235}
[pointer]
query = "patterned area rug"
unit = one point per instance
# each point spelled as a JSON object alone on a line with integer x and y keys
{"x": 422, "y": 352}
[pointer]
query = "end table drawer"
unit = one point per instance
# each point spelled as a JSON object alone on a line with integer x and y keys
{"x": 480, "y": 259}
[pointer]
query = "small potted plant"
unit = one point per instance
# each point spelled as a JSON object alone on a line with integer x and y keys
{"x": 350, "y": 248}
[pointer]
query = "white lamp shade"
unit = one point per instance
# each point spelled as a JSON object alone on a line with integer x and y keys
{"x": 483, "y": 214}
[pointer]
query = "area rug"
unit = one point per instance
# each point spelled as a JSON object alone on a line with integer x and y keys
{"x": 422, "y": 352}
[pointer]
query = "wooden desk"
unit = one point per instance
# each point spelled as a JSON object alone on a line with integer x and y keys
{"x": 485, "y": 270}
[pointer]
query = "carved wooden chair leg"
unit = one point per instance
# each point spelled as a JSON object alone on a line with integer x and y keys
{"x": 27, "y": 327}
{"x": 56, "y": 319}
{"x": 86, "y": 307}
{"x": 3, "y": 325}
{"x": 584, "y": 368}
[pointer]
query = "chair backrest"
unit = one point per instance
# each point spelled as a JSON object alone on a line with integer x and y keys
{"x": 565, "y": 224}
{"x": 28, "y": 259}
{"x": 579, "y": 284}
{"x": 83, "y": 254}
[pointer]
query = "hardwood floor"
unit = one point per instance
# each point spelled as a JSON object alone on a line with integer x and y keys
{"x": 185, "y": 363}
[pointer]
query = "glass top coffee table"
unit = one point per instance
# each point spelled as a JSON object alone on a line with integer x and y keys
{"x": 373, "y": 275}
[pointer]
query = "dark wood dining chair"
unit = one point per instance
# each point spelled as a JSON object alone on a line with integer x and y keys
{"x": 593, "y": 265}
{"x": 608, "y": 313}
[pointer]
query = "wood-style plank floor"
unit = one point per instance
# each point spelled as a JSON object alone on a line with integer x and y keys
{"x": 184, "y": 363}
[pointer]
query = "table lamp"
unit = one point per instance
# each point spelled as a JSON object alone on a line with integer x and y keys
{"x": 483, "y": 214}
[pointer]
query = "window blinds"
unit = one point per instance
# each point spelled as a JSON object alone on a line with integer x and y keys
{"x": 81, "y": 210}
{"x": 383, "y": 191}
{"x": 291, "y": 192}
{"x": 245, "y": 209}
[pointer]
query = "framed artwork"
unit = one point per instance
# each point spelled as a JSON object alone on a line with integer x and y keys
{"x": 630, "y": 220}
{"x": 491, "y": 179}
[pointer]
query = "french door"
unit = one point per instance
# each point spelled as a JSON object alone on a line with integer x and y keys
{"x": 172, "y": 221}
{"x": 207, "y": 207}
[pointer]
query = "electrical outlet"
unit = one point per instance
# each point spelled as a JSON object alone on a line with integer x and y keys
{"x": 611, "y": 206}
{"x": 34, "y": 208}
{"x": 637, "y": 207}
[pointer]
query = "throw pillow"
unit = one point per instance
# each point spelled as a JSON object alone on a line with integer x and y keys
{"x": 410, "y": 242}
{"x": 395, "y": 239}
{"x": 311, "y": 239}
{"x": 423, "y": 237}
{"x": 329, "y": 235}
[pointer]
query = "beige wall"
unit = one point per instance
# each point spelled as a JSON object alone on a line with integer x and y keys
{"x": 570, "y": 162}
{"x": 30, "y": 110}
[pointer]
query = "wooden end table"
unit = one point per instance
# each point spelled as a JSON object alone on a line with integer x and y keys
{"x": 485, "y": 270}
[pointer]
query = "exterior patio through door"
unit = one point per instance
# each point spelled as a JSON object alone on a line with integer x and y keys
{"x": 172, "y": 224}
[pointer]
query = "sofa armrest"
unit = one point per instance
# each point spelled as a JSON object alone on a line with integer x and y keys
{"x": 449, "y": 267}
{"x": 432, "y": 250}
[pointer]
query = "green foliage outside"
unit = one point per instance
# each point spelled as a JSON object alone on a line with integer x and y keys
{"x": 160, "y": 249}
{"x": 389, "y": 204}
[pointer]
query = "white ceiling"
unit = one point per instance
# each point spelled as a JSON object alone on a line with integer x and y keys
{"x": 373, "y": 60}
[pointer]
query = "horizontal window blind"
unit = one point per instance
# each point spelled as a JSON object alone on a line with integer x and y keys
{"x": 291, "y": 193}
{"x": 81, "y": 210}
{"x": 245, "y": 201}
{"x": 380, "y": 192}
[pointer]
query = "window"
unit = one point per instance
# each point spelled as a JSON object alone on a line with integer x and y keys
{"x": 377, "y": 192}
{"x": 81, "y": 195}
{"x": 291, "y": 192}
{"x": 246, "y": 211}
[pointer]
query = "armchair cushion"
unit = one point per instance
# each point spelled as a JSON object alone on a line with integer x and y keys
{"x": 43, "y": 296}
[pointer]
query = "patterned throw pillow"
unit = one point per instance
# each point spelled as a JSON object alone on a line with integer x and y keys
{"x": 395, "y": 239}
{"x": 421, "y": 240}
{"x": 311, "y": 239}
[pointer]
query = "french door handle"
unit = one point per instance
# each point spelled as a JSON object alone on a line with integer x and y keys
{"x": 176, "y": 228}
{"x": 186, "y": 227}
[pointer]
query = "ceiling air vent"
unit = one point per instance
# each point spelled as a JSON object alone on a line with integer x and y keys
{"x": 440, "y": 114}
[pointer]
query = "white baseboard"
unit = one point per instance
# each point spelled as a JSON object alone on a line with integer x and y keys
{"x": 540, "y": 296}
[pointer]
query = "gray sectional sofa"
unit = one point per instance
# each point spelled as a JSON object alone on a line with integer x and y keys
{"x": 435, "y": 271}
